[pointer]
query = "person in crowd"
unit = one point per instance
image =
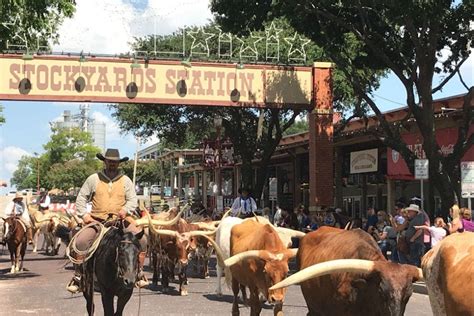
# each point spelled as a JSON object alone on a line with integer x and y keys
{"x": 415, "y": 236}
{"x": 277, "y": 218}
{"x": 285, "y": 219}
{"x": 266, "y": 213}
{"x": 466, "y": 220}
{"x": 109, "y": 191}
{"x": 387, "y": 235}
{"x": 455, "y": 226}
{"x": 44, "y": 200}
{"x": 306, "y": 220}
{"x": 436, "y": 231}
{"x": 18, "y": 208}
{"x": 400, "y": 224}
{"x": 244, "y": 205}
{"x": 329, "y": 219}
{"x": 371, "y": 220}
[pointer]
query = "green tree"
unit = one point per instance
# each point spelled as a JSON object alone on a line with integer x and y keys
{"x": 180, "y": 126}
{"x": 69, "y": 158}
{"x": 147, "y": 171}
{"x": 413, "y": 39}
{"x": 25, "y": 175}
{"x": 2, "y": 118}
{"x": 31, "y": 22}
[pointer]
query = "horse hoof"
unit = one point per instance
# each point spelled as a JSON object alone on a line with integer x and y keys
{"x": 184, "y": 292}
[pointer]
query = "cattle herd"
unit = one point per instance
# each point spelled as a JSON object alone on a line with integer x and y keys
{"x": 341, "y": 272}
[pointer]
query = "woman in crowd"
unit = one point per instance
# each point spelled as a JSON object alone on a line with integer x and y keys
{"x": 455, "y": 226}
{"x": 437, "y": 231}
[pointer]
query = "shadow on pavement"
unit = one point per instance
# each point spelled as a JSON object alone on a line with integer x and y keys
{"x": 6, "y": 275}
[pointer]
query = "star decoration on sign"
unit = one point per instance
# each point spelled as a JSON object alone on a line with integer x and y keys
{"x": 224, "y": 44}
{"x": 272, "y": 43}
{"x": 297, "y": 44}
{"x": 246, "y": 47}
{"x": 20, "y": 34}
{"x": 200, "y": 41}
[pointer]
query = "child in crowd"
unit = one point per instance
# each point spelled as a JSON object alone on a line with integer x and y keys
{"x": 437, "y": 231}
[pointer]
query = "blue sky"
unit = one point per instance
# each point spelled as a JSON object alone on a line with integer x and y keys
{"x": 91, "y": 30}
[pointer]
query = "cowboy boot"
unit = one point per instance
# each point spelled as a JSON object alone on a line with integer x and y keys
{"x": 74, "y": 286}
{"x": 29, "y": 235}
{"x": 142, "y": 281}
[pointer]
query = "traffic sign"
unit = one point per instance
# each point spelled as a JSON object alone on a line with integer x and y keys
{"x": 273, "y": 189}
{"x": 421, "y": 169}
{"x": 467, "y": 179}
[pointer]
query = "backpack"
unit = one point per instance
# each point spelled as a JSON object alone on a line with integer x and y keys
{"x": 468, "y": 225}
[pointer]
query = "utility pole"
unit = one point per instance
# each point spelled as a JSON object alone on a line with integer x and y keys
{"x": 135, "y": 162}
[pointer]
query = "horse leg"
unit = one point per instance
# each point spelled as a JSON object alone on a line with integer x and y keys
{"x": 122, "y": 300}
{"x": 165, "y": 277}
{"x": 156, "y": 268}
{"x": 18, "y": 256}
{"x": 108, "y": 303}
{"x": 35, "y": 240}
{"x": 235, "y": 304}
{"x": 23, "y": 250}
{"x": 12, "y": 258}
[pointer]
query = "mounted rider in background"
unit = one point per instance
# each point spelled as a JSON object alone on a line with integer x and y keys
{"x": 109, "y": 192}
{"x": 17, "y": 208}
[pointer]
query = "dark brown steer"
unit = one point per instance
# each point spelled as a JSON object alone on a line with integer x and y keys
{"x": 344, "y": 273}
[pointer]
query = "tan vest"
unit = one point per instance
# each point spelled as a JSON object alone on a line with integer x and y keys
{"x": 109, "y": 197}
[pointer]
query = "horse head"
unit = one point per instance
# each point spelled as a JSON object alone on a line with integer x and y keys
{"x": 127, "y": 258}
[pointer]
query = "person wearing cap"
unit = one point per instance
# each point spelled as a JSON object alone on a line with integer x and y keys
{"x": 244, "y": 206}
{"x": 413, "y": 235}
{"x": 16, "y": 207}
{"x": 44, "y": 200}
{"x": 109, "y": 192}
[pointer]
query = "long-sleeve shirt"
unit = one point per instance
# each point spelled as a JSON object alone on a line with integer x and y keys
{"x": 247, "y": 206}
{"x": 89, "y": 188}
{"x": 20, "y": 210}
{"x": 44, "y": 202}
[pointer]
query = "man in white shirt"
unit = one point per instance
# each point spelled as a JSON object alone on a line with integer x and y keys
{"x": 44, "y": 201}
{"x": 16, "y": 207}
{"x": 244, "y": 206}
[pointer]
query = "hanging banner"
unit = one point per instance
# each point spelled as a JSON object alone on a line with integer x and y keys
{"x": 446, "y": 138}
{"x": 364, "y": 161}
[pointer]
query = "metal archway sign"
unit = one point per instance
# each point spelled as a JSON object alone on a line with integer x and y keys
{"x": 114, "y": 80}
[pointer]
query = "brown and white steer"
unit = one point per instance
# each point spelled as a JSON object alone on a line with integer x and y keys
{"x": 259, "y": 260}
{"x": 344, "y": 273}
{"x": 448, "y": 269}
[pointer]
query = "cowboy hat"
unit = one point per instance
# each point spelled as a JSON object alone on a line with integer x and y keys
{"x": 18, "y": 196}
{"x": 413, "y": 207}
{"x": 111, "y": 154}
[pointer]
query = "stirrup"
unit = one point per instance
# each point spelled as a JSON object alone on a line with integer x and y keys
{"x": 73, "y": 286}
{"x": 142, "y": 281}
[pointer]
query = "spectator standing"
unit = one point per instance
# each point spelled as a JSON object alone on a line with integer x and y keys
{"x": 466, "y": 220}
{"x": 385, "y": 236}
{"x": 414, "y": 236}
{"x": 371, "y": 220}
{"x": 44, "y": 201}
{"x": 436, "y": 231}
{"x": 278, "y": 217}
{"x": 455, "y": 226}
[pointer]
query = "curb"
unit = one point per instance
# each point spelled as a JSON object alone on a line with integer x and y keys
{"x": 420, "y": 288}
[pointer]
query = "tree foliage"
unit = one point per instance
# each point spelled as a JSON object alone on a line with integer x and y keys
{"x": 69, "y": 158}
{"x": 186, "y": 126}
{"x": 147, "y": 171}
{"x": 413, "y": 39}
{"x": 32, "y": 22}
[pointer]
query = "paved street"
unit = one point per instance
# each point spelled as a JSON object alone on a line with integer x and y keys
{"x": 41, "y": 291}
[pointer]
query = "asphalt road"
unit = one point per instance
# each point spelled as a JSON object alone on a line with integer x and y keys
{"x": 40, "y": 290}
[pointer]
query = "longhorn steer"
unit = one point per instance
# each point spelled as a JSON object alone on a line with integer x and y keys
{"x": 449, "y": 273}
{"x": 259, "y": 260}
{"x": 366, "y": 284}
{"x": 171, "y": 246}
{"x": 223, "y": 241}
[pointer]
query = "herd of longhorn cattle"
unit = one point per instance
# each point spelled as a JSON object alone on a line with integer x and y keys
{"x": 342, "y": 272}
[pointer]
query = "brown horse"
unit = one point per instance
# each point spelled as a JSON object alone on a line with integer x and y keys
{"x": 15, "y": 234}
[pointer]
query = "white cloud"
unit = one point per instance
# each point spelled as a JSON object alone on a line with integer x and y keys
{"x": 112, "y": 130}
{"x": 108, "y": 26}
{"x": 9, "y": 157}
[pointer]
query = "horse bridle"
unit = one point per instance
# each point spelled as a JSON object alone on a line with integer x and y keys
{"x": 119, "y": 269}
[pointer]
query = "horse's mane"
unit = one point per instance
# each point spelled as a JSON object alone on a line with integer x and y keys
{"x": 114, "y": 236}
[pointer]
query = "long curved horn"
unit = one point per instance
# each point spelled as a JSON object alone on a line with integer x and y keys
{"x": 206, "y": 226}
{"x": 219, "y": 254}
{"x": 420, "y": 275}
{"x": 227, "y": 214}
{"x": 144, "y": 221}
{"x": 200, "y": 233}
{"x": 291, "y": 232}
{"x": 324, "y": 268}
{"x": 243, "y": 255}
{"x": 166, "y": 232}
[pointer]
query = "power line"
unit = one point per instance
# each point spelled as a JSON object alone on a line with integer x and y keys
{"x": 388, "y": 100}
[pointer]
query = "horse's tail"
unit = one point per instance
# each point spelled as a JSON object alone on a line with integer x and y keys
{"x": 63, "y": 232}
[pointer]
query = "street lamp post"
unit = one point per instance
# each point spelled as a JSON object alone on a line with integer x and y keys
{"x": 37, "y": 173}
{"x": 218, "y": 125}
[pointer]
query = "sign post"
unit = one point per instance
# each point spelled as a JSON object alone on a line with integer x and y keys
{"x": 467, "y": 181}
{"x": 422, "y": 173}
